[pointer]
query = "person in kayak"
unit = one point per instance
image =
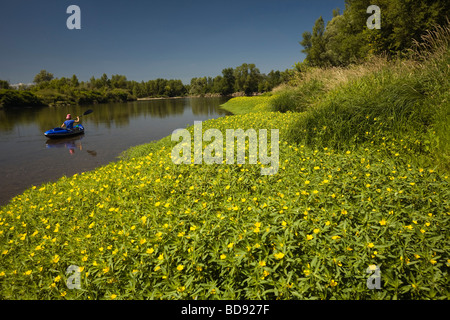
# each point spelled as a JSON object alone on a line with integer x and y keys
{"x": 69, "y": 122}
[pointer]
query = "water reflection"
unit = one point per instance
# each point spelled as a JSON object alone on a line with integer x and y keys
{"x": 71, "y": 144}
{"x": 111, "y": 115}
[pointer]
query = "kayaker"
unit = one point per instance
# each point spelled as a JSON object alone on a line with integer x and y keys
{"x": 69, "y": 122}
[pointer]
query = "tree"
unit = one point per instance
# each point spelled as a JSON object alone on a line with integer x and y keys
{"x": 104, "y": 81}
{"x": 4, "y": 84}
{"x": 306, "y": 43}
{"x": 217, "y": 84}
{"x": 228, "y": 81}
{"x": 346, "y": 38}
{"x": 317, "y": 50}
{"x": 118, "y": 81}
{"x": 247, "y": 78}
{"x": 43, "y": 76}
{"x": 74, "y": 81}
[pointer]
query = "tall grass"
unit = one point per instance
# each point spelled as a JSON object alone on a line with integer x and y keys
{"x": 379, "y": 100}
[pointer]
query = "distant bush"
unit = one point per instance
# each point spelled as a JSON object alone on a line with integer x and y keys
{"x": 15, "y": 98}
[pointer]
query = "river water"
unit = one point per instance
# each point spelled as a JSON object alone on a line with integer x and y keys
{"x": 28, "y": 158}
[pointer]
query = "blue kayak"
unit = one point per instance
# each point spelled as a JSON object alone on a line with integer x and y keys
{"x": 64, "y": 133}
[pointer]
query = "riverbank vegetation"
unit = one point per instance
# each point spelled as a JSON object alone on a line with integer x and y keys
{"x": 362, "y": 185}
{"x": 47, "y": 90}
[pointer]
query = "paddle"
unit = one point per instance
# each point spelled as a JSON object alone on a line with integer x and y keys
{"x": 87, "y": 112}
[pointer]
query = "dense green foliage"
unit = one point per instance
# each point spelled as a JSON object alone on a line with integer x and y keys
{"x": 4, "y": 84}
{"x": 346, "y": 39}
{"x": 16, "y": 98}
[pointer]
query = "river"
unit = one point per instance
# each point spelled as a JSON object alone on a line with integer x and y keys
{"x": 28, "y": 158}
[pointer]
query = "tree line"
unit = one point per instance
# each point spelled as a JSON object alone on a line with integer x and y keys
{"x": 345, "y": 39}
{"x": 48, "y": 90}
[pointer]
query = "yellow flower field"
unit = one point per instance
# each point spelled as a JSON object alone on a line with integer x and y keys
{"x": 144, "y": 227}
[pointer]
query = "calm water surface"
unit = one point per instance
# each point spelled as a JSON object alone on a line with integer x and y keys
{"x": 28, "y": 158}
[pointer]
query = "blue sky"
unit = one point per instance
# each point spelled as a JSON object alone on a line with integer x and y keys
{"x": 145, "y": 40}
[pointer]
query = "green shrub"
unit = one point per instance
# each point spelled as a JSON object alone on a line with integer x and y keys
{"x": 297, "y": 99}
{"x": 17, "y": 98}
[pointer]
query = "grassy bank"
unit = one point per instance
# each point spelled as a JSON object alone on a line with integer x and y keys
{"x": 358, "y": 186}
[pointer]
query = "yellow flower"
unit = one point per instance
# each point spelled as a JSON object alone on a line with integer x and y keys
{"x": 27, "y": 273}
{"x": 433, "y": 261}
{"x": 309, "y": 237}
{"x": 150, "y": 251}
{"x": 371, "y": 245}
{"x": 333, "y": 283}
{"x": 113, "y": 296}
{"x": 180, "y": 267}
{"x": 316, "y": 230}
{"x": 279, "y": 255}
{"x": 230, "y": 245}
{"x": 382, "y": 222}
{"x": 157, "y": 268}
{"x": 55, "y": 259}
{"x": 105, "y": 270}
{"x": 161, "y": 256}
{"x": 262, "y": 263}
{"x": 335, "y": 237}
{"x": 222, "y": 256}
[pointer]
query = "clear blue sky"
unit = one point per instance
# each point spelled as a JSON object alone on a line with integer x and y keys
{"x": 151, "y": 39}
